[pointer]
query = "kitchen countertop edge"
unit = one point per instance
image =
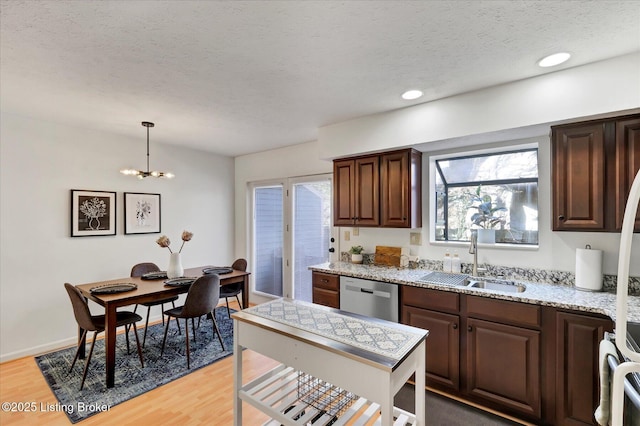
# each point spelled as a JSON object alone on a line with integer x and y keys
{"x": 544, "y": 294}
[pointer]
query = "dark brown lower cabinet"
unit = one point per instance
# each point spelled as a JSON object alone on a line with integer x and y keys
{"x": 536, "y": 363}
{"x": 443, "y": 348}
{"x": 325, "y": 289}
{"x": 577, "y": 386}
{"x": 503, "y": 365}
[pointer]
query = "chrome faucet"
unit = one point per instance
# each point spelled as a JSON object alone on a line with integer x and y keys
{"x": 473, "y": 249}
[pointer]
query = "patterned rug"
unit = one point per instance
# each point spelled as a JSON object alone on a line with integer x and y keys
{"x": 131, "y": 379}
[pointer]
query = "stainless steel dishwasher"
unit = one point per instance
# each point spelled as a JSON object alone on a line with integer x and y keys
{"x": 371, "y": 298}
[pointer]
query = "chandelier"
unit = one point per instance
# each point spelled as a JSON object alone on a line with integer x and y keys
{"x": 141, "y": 174}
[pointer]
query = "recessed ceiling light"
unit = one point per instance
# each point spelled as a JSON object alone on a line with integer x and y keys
{"x": 553, "y": 60}
{"x": 411, "y": 94}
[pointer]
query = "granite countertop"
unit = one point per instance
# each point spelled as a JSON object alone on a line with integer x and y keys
{"x": 559, "y": 296}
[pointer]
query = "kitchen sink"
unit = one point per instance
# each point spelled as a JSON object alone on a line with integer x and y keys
{"x": 507, "y": 286}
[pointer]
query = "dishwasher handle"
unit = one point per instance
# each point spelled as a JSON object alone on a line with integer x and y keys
{"x": 378, "y": 293}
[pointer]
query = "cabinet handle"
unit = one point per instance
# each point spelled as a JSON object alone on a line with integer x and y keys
{"x": 469, "y": 328}
{"x": 455, "y": 326}
{"x": 561, "y": 217}
{"x": 324, "y": 280}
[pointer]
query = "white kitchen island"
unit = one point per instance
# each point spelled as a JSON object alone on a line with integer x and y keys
{"x": 336, "y": 367}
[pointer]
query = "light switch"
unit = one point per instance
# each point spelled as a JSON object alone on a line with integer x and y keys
{"x": 347, "y": 235}
{"x": 415, "y": 238}
{"x": 356, "y": 232}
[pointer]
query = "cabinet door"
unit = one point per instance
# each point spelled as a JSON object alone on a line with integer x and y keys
{"x": 627, "y": 165}
{"x": 367, "y": 189}
{"x": 578, "y": 168}
{"x": 326, "y": 289}
{"x": 503, "y": 366}
{"x": 343, "y": 193}
{"x": 443, "y": 345}
{"x": 577, "y": 377}
{"x": 326, "y": 297}
{"x": 400, "y": 181}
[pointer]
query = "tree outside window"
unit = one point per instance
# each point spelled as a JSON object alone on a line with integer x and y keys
{"x": 497, "y": 191}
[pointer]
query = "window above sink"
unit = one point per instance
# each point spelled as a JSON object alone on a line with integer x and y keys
{"x": 495, "y": 189}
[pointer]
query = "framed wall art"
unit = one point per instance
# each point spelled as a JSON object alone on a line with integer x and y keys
{"x": 141, "y": 213}
{"x": 93, "y": 213}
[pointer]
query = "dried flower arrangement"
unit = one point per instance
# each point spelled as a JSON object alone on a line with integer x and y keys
{"x": 164, "y": 241}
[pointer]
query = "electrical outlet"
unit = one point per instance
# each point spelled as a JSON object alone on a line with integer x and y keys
{"x": 415, "y": 238}
{"x": 347, "y": 235}
{"x": 355, "y": 231}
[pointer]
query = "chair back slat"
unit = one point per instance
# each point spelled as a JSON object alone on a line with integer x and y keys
{"x": 203, "y": 296}
{"x": 143, "y": 268}
{"x": 80, "y": 308}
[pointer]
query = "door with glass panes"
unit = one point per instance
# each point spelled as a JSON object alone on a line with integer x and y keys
{"x": 291, "y": 230}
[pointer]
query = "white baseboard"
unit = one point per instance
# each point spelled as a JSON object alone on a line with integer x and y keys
{"x": 64, "y": 343}
{"x": 71, "y": 341}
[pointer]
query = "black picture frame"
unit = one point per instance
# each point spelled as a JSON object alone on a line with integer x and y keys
{"x": 142, "y": 213}
{"x": 93, "y": 213}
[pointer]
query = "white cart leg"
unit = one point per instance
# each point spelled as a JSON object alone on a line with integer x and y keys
{"x": 420, "y": 386}
{"x": 386, "y": 407}
{"x": 237, "y": 375}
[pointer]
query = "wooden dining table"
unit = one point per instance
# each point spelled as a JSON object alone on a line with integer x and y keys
{"x": 146, "y": 291}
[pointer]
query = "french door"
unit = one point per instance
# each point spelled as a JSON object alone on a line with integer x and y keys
{"x": 291, "y": 230}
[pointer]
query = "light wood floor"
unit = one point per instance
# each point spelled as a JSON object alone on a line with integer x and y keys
{"x": 199, "y": 398}
{"x": 202, "y": 397}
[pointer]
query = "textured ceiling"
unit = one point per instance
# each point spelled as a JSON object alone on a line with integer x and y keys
{"x": 236, "y": 77}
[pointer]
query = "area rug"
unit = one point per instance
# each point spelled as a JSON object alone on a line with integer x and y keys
{"x": 131, "y": 379}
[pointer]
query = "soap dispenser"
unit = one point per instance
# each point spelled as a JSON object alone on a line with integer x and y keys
{"x": 456, "y": 266}
{"x": 446, "y": 263}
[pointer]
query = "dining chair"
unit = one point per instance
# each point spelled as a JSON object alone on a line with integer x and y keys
{"x": 96, "y": 323}
{"x": 202, "y": 298}
{"x": 233, "y": 290}
{"x": 139, "y": 270}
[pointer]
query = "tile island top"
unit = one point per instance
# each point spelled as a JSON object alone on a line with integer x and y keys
{"x": 559, "y": 296}
{"x": 377, "y": 340}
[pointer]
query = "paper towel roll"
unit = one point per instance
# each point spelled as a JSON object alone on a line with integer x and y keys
{"x": 589, "y": 269}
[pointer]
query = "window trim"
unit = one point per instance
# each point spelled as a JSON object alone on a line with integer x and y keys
{"x": 476, "y": 153}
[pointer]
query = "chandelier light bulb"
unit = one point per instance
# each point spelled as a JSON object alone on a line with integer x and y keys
{"x": 141, "y": 174}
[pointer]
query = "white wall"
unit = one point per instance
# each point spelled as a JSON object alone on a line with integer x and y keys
{"x": 40, "y": 162}
{"x": 594, "y": 89}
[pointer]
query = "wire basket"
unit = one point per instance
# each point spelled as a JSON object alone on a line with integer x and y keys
{"x": 323, "y": 396}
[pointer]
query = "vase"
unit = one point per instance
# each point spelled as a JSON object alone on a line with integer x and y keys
{"x": 487, "y": 236}
{"x": 356, "y": 258}
{"x": 175, "y": 269}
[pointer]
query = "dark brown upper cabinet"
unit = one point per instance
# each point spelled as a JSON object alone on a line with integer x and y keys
{"x": 593, "y": 166}
{"x": 401, "y": 188}
{"x": 627, "y": 163}
{"x": 356, "y": 184}
{"x": 381, "y": 190}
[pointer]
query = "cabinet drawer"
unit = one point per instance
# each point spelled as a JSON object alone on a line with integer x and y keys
{"x": 430, "y": 299}
{"x": 326, "y": 281}
{"x": 326, "y": 297}
{"x": 503, "y": 311}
